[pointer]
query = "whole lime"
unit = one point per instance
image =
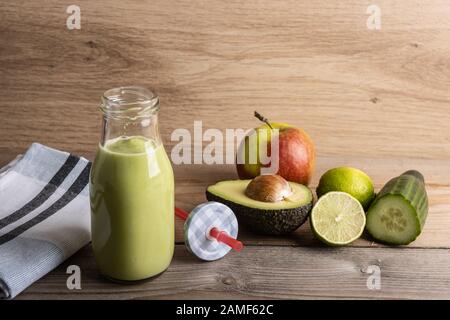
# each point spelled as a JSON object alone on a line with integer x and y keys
{"x": 350, "y": 180}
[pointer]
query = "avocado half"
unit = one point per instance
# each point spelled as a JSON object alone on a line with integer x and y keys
{"x": 274, "y": 218}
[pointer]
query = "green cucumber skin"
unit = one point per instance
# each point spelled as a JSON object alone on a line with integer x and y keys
{"x": 411, "y": 187}
{"x": 416, "y": 174}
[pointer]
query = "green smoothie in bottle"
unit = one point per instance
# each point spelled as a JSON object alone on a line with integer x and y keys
{"x": 132, "y": 190}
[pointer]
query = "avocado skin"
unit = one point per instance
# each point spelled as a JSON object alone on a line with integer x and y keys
{"x": 269, "y": 222}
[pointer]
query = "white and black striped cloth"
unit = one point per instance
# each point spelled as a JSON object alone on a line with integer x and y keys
{"x": 44, "y": 215}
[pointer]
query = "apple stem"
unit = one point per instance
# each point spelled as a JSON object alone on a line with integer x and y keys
{"x": 263, "y": 119}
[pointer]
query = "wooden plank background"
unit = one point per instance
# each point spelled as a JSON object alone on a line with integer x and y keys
{"x": 269, "y": 272}
{"x": 374, "y": 99}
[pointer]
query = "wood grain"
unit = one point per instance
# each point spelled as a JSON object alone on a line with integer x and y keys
{"x": 376, "y": 100}
{"x": 268, "y": 272}
{"x": 312, "y": 64}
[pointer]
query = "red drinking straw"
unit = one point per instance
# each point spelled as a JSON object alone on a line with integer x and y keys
{"x": 181, "y": 213}
{"x": 220, "y": 236}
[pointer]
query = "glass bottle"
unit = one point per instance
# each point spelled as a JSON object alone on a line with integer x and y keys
{"x": 131, "y": 189}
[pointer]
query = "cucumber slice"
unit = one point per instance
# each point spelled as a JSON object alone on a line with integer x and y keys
{"x": 398, "y": 213}
{"x": 393, "y": 220}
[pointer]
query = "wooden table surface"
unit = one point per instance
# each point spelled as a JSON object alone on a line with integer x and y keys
{"x": 378, "y": 100}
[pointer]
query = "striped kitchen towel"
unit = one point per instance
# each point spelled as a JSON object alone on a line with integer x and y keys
{"x": 44, "y": 215}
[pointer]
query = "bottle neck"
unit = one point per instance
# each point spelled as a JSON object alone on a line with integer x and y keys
{"x": 146, "y": 127}
{"x": 130, "y": 111}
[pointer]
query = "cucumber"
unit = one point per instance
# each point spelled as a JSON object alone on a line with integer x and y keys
{"x": 398, "y": 213}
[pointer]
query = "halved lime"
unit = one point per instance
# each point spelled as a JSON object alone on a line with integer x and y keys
{"x": 338, "y": 218}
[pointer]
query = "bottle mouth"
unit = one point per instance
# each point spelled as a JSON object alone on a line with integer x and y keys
{"x": 129, "y": 102}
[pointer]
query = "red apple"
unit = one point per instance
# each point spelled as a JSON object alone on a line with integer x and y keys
{"x": 296, "y": 158}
